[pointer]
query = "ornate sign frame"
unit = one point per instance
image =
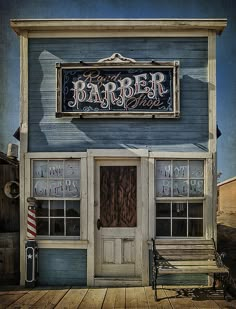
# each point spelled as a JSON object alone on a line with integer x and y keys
{"x": 118, "y": 87}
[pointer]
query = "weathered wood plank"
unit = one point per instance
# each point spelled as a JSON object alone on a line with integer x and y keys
{"x": 51, "y": 298}
{"x": 6, "y": 299}
{"x": 29, "y": 299}
{"x": 93, "y": 299}
{"x": 115, "y": 299}
{"x": 178, "y": 302}
{"x": 72, "y": 299}
{"x": 162, "y": 302}
{"x": 136, "y": 298}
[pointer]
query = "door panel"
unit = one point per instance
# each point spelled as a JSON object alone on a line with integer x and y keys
{"x": 117, "y": 207}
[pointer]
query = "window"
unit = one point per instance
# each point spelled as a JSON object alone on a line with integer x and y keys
{"x": 56, "y": 185}
{"x": 179, "y": 198}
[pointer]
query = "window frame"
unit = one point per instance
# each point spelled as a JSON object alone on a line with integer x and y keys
{"x": 208, "y": 209}
{"x": 30, "y": 158}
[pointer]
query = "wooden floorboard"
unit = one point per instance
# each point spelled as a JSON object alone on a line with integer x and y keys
{"x": 114, "y": 299}
{"x": 111, "y": 298}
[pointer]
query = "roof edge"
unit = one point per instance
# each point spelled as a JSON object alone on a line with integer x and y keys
{"x": 31, "y": 25}
{"x": 226, "y": 181}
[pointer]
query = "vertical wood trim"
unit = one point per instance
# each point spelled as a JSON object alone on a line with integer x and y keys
{"x": 151, "y": 197}
{"x": 212, "y": 90}
{"x": 145, "y": 215}
{"x": 214, "y": 196}
{"x": 90, "y": 220}
{"x": 83, "y": 199}
{"x": 208, "y": 211}
{"x": 23, "y": 146}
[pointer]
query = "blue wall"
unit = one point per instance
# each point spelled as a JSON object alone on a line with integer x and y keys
{"x": 46, "y": 133}
{"x": 63, "y": 267}
{"x": 226, "y": 47}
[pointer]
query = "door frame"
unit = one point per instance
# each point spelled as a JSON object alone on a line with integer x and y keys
{"x": 105, "y": 154}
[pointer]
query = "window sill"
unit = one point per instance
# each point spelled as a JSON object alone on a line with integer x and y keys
{"x": 62, "y": 243}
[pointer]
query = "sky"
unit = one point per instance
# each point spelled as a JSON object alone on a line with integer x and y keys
{"x": 226, "y": 51}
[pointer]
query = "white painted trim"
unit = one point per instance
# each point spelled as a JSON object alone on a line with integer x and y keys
{"x": 23, "y": 144}
{"x": 62, "y": 244}
{"x": 180, "y": 155}
{"x": 152, "y": 201}
{"x": 117, "y": 153}
{"x": 90, "y": 220}
{"x": 118, "y": 25}
{"x": 212, "y": 91}
{"x": 226, "y": 181}
{"x": 55, "y": 155}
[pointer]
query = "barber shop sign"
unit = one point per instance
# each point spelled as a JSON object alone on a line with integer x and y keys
{"x": 122, "y": 88}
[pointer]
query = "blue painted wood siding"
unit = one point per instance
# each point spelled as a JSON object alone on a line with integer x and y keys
{"x": 47, "y": 133}
{"x": 63, "y": 267}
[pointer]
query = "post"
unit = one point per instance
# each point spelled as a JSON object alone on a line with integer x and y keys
{"x": 31, "y": 248}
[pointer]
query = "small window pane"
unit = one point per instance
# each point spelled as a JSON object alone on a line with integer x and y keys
{"x": 40, "y": 168}
{"x": 55, "y": 169}
{"x": 72, "y": 169}
{"x": 163, "y": 169}
{"x": 56, "y": 227}
{"x": 42, "y": 226}
{"x": 179, "y": 227}
{"x": 57, "y": 208}
{"x": 40, "y": 188}
{"x": 195, "y": 227}
{"x": 42, "y": 209}
{"x": 72, "y": 208}
{"x": 180, "y": 188}
{"x": 55, "y": 188}
{"x": 180, "y": 169}
{"x": 163, "y": 227}
{"x": 72, "y": 227}
{"x": 72, "y": 188}
{"x": 163, "y": 188}
{"x": 179, "y": 210}
{"x": 195, "y": 210}
{"x": 163, "y": 210}
{"x": 196, "y": 169}
{"x": 196, "y": 187}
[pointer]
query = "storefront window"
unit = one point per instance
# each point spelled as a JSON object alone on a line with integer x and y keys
{"x": 179, "y": 198}
{"x": 56, "y": 185}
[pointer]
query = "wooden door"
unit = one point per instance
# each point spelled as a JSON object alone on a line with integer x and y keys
{"x": 117, "y": 219}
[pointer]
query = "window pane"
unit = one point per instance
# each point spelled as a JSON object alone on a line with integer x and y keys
{"x": 42, "y": 226}
{"x": 179, "y": 210}
{"x": 163, "y": 227}
{"x": 40, "y": 188}
{"x": 195, "y": 210}
{"x": 196, "y": 187}
{"x": 42, "y": 209}
{"x": 196, "y": 169}
{"x": 55, "y": 188}
{"x": 56, "y": 227}
{"x": 72, "y": 169}
{"x": 40, "y": 168}
{"x": 163, "y": 169}
{"x": 72, "y": 227}
{"x": 180, "y": 188}
{"x": 195, "y": 227}
{"x": 73, "y": 208}
{"x": 180, "y": 169}
{"x": 163, "y": 210}
{"x": 55, "y": 169}
{"x": 179, "y": 227}
{"x": 57, "y": 208}
{"x": 72, "y": 188}
{"x": 163, "y": 188}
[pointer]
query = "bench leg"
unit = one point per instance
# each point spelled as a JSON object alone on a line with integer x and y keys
{"x": 154, "y": 282}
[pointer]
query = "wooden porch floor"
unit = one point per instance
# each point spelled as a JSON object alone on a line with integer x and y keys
{"x": 105, "y": 298}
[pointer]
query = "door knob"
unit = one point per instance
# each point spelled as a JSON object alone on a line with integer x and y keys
{"x": 99, "y": 224}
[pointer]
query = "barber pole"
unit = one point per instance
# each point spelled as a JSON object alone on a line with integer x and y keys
{"x": 31, "y": 248}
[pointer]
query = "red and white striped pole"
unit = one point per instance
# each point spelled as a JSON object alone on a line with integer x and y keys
{"x": 31, "y": 248}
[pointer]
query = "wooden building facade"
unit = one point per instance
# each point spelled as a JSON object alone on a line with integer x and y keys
{"x": 118, "y": 142}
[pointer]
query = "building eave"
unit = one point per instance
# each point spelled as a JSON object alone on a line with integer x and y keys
{"x": 38, "y": 25}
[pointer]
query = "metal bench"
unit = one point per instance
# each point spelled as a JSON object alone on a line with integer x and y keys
{"x": 187, "y": 257}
